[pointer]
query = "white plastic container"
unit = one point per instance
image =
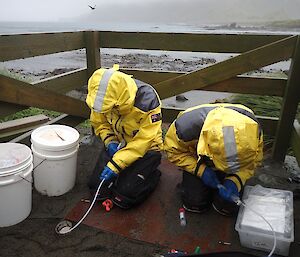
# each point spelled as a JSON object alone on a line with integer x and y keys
{"x": 277, "y": 208}
{"x": 54, "y": 149}
{"x": 15, "y": 183}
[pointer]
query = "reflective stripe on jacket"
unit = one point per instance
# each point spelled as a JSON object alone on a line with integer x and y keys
{"x": 127, "y": 111}
{"x": 224, "y": 136}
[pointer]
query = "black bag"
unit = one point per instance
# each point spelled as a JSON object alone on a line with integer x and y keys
{"x": 136, "y": 183}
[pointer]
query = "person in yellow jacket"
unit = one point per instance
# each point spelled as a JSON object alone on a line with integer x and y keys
{"x": 218, "y": 147}
{"x": 126, "y": 115}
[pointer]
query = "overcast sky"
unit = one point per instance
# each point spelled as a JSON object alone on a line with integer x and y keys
{"x": 148, "y": 10}
{"x": 41, "y": 10}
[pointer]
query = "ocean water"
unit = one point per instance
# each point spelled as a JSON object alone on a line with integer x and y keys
{"x": 38, "y": 27}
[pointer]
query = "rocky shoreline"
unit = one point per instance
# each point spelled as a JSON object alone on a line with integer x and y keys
{"x": 42, "y": 67}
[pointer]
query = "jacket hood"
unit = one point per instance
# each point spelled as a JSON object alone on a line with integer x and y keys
{"x": 110, "y": 88}
{"x": 231, "y": 140}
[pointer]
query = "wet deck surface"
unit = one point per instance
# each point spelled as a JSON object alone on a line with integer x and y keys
{"x": 157, "y": 220}
{"x": 147, "y": 230}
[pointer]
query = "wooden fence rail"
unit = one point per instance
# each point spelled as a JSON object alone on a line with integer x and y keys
{"x": 252, "y": 60}
{"x": 255, "y": 51}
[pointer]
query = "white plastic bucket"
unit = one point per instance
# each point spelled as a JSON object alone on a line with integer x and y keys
{"x": 15, "y": 183}
{"x": 54, "y": 149}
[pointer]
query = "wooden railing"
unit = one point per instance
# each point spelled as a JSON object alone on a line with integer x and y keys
{"x": 254, "y": 52}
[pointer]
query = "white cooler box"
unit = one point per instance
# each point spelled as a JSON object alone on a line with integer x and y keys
{"x": 276, "y": 206}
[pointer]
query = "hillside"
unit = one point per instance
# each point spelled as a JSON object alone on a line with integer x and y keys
{"x": 196, "y": 11}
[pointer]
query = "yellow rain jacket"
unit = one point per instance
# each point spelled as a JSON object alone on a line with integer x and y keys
{"x": 226, "y": 137}
{"x": 127, "y": 111}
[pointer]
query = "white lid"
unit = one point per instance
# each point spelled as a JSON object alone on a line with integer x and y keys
{"x": 13, "y": 157}
{"x": 54, "y": 137}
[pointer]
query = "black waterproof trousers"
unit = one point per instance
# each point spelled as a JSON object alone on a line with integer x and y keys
{"x": 133, "y": 185}
{"x": 198, "y": 197}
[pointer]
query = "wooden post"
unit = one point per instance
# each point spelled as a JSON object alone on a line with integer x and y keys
{"x": 92, "y": 51}
{"x": 289, "y": 108}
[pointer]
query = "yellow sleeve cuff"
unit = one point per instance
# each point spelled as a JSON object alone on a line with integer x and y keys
{"x": 200, "y": 170}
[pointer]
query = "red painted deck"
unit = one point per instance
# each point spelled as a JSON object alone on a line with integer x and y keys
{"x": 157, "y": 221}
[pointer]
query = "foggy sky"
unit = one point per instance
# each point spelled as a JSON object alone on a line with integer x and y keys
{"x": 167, "y": 11}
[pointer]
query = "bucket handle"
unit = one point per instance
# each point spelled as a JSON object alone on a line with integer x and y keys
{"x": 38, "y": 164}
{"x": 9, "y": 181}
{"x": 25, "y": 175}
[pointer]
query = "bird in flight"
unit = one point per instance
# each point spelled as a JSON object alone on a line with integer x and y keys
{"x": 92, "y": 7}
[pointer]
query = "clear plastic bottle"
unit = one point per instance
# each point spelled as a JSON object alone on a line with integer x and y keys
{"x": 182, "y": 217}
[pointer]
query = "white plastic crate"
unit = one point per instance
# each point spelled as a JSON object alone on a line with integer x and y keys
{"x": 277, "y": 207}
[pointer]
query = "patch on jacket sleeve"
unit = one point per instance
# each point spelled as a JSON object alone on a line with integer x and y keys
{"x": 156, "y": 117}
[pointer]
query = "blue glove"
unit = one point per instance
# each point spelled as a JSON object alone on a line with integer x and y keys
{"x": 210, "y": 178}
{"x": 229, "y": 190}
{"x": 112, "y": 148}
{"x": 108, "y": 174}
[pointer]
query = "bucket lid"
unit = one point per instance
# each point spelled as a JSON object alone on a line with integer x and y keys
{"x": 54, "y": 137}
{"x": 13, "y": 157}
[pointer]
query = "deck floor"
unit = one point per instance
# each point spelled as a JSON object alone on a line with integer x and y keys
{"x": 157, "y": 220}
{"x": 147, "y": 230}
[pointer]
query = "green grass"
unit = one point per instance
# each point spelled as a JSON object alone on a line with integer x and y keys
{"x": 30, "y": 112}
{"x": 85, "y": 124}
{"x": 261, "y": 105}
{"x": 264, "y": 106}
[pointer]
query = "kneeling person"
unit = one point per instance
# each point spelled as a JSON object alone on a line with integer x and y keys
{"x": 126, "y": 115}
{"x": 218, "y": 146}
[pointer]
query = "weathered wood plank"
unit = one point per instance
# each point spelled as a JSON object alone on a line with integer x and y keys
{"x": 28, "y": 45}
{"x": 222, "y": 43}
{"x": 152, "y": 77}
{"x": 18, "y": 92}
{"x": 65, "y": 82}
{"x": 11, "y": 125}
{"x": 229, "y": 68}
{"x": 92, "y": 51}
{"x": 63, "y": 119}
{"x": 239, "y": 84}
{"x": 12, "y": 128}
{"x": 289, "y": 107}
{"x": 60, "y": 84}
{"x": 250, "y": 85}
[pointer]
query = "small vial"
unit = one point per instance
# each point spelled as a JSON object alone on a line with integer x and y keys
{"x": 182, "y": 217}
